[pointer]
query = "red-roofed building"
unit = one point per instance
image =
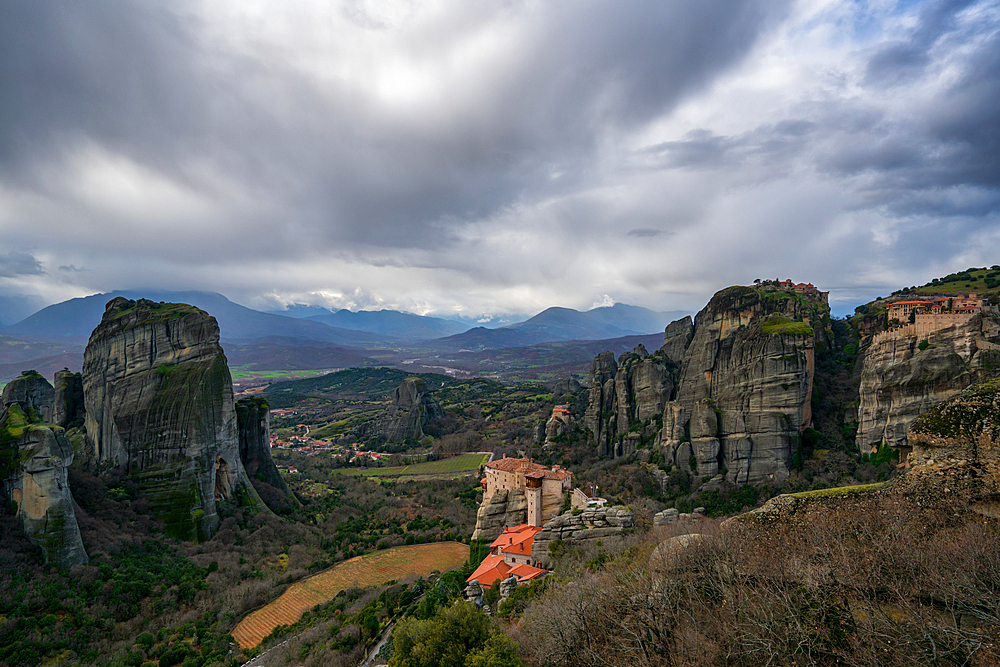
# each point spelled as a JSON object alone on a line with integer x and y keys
{"x": 510, "y": 555}
{"x": 543, "y": 487}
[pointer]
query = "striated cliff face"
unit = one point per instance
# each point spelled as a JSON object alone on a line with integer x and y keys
{"x": 742, "y": 394}
{"x": 254, "y": 424}
{"x": 627, "y": 397}
{"x": 159, "y": 404}
{"x": 32, "y": 393}
{"x": 412, "y": 406}
{"x": 68, "y": 408}
{"x": 34, "y": 459}
{"x": 899, "y": 381}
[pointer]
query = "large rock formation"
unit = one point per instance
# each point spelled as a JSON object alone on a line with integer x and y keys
{"x": 411, "y": 408}
{"x": 627, "y": 398}
{"x": 502, "y": 509}
{"x": 580, "y": 528}
{"x": 899, "y": 380}
{"x": 32, "y": 393}
{"x": 956, "y": 451}
{"x": 253, "y": 419}
{"x": 34, "y": 459}
{"x": 742, "y": 394}
{"x": 159, "y": 403}
{"x": 68, "y": 408}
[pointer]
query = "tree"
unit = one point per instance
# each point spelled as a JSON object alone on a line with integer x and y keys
{"x": 459, "y": 636}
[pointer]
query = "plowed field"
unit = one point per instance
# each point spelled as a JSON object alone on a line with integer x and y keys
{"x": 368, "y": 570}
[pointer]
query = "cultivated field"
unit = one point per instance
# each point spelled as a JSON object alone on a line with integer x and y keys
{"x": 368, "y": 570}
{"x": 457, "y": 466}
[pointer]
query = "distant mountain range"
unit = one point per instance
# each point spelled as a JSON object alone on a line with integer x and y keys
{"x": 565, "y": 324}
{"x": 77, "y": 318}
{"x": 309, "y": 336}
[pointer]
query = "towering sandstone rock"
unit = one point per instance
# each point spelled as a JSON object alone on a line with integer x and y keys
{"x": 254, "y": 424}
{"x": 34, "y": 459}
{"x": 742, "y": 393}
{"x": 411, "y": 408}
{"x": 899, "y": 380}
{"x": 159, "y": 404}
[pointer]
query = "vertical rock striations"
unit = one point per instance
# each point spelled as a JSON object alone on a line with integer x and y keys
{"x": 627, "y": 399}
{"x": 254, "y": 424}
{"x": 411, "y": 408}
{"x": 34, "y": 459}
{"x": 742, "y": 393}
{"x": 68, "y": 409}
{"x": 903, "y": 377}
{"x": 159, "y": 404}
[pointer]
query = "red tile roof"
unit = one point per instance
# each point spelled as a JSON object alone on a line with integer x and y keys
{"x": 490, "y": 570}
{"x": 527, "y": 466}
{"x": 516, "y": 540}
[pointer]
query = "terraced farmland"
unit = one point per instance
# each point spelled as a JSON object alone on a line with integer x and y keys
{"x": 457, "y": 466}
{"x": 368, "y": 570}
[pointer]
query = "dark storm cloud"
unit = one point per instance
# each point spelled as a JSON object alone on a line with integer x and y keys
{"x": 144, "y": 81}
{"x": 19, "y": 264}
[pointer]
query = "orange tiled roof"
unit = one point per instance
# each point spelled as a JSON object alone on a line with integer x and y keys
{"x": 526, "y": 572}
{"x": 490, "y": 570}
{"x": 527, "y": 466}
{"x": 516, "y": 540}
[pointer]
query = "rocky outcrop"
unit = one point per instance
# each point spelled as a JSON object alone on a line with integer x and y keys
{"x": 956, "y": 451}
{"x": 32, "y": 393}
{"x": 751, "y": 363}
{"x": 159, "y": 404}
{"x": 575, "y": 528}
{"x": 502, "y": 509}
{"x": 627, "y": 398}
{"x": 676, "y": 339}
{"x": 34, "y": 459}
{"x": 738, "y": 401}
{"x": 411, "y": 408}
{"x": 68, "y": 408}
{"x": 253, "y": 421}
{"x": 567, "y": 387}
{"x": 900, "y": 381}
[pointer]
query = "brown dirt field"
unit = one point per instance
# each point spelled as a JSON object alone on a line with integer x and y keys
{"x": 368, "y": 570}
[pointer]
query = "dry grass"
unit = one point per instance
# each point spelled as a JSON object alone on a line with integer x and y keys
{"x": 368, "y": 570}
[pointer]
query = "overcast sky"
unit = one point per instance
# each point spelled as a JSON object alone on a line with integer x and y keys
{"x": 483, "y": 157}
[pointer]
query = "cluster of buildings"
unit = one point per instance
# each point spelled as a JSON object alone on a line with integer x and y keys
{"x": 920, "y": 317}
{"x": 799, "y": 288}
{"x": 545, "y": 490}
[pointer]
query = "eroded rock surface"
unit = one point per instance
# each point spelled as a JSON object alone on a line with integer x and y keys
{"x": 34, "y": 459}
{"x": 411, "y": 408}
{"x": 253, "y": 421}
{"x": 899, "y": 381}
{"x": 68, "y": 406}
{"x": 738, "y": 401}
{"x": 33, "y": 393}
{"x": 584, "y": 527}
{"x": 502, "y": 509}
{"x": 159, "y": 404}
